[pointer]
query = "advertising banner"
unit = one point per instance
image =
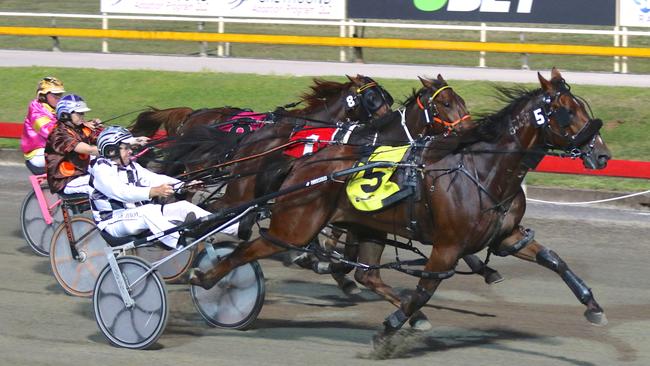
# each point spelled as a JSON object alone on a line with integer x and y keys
{"x": 290, "y": 9}
{"x": 588, "y": 12}
{"x": 635, "y": 13}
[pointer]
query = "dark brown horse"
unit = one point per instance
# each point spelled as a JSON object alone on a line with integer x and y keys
{"x": 359, "y": 100}
{"x": 434, "y": 110}
{"x": 470, "y": 199}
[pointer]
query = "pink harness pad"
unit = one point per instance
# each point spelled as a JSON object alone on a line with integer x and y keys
{"x": 320, "y": 136}
{"x": 245, "y": 122}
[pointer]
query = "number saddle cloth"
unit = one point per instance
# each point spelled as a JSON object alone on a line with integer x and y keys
{"x": 372, "y": 189}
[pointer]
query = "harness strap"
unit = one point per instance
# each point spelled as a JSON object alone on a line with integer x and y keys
{"x": 402, "y": 112}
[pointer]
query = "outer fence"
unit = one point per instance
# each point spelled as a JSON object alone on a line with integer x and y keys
{"x": 550, "y": 164}
{"x": 331, "y": 41}
{"x": 347, "y": 36}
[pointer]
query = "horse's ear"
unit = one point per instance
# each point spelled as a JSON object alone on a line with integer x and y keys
{"x": 555, "y": 74}
{"x": 351, "y": 78}
{"x": 426, "y": 82}
{"x": 546, "y": 85}
{"x": 441, "y": 79}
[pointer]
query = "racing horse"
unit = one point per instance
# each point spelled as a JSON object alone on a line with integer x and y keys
{"x": 471, "y": 199}
{"x": 434, "y": 110}
{"x": 203, "y": 145}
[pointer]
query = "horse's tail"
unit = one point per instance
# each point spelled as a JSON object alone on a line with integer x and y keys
{"x": 150, "y": 121}
{"x": 199, "y": 147}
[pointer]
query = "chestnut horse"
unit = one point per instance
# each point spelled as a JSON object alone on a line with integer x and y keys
{"x": 471, "y": 199}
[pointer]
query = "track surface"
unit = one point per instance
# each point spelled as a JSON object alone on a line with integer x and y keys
{"x": 529, "y": 319}
{"x": 300, "y": 68}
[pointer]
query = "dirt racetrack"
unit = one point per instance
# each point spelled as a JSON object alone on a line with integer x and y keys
{"x": 529, "y": 319}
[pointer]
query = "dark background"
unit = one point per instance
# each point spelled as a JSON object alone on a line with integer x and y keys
{"x": 587, "y": 12}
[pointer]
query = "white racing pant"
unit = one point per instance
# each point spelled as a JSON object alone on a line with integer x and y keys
{"x": 136, "y": 220}
{"x": 79, "y": 185}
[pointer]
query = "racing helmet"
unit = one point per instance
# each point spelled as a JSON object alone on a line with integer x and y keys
{"x": 49, "y": 84}
{"x": 69, "y": 104}
{"x": 109, "y": 140}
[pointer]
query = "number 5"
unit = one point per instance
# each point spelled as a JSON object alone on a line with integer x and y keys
{"x": 540, "y": 117}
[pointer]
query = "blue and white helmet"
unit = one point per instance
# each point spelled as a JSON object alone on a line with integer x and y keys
{"x": 109, "y": 140}
{"x": 69, "y": 104}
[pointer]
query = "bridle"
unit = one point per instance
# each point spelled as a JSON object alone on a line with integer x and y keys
{"x": 587, "y": 134}
{"x": 435, "y": 115}
{"x": 366, "y": 97}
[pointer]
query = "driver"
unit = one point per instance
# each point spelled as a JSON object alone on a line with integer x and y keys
{"x": 121, "y": 202}
{"x": 70, "y": 146}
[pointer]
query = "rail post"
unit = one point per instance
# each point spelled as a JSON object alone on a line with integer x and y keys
{"x": 55, "y": 40}
{"x": 617, "y": 43}
{"x": 203, "y": 46}
{"x": 223, "y": 49}
{"x": 625, "y": 44}
{"x": 342, "y": 34}
{"x": 481, "y": 60}
{"x": 524, "y": 56}
{"x": 104, "y": 40}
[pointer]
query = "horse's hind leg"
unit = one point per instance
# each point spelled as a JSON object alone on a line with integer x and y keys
{"x": 535, "y": 252}
{"x": 491, "y": 276}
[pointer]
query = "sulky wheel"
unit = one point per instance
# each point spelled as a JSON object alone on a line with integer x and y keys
{"x": 36, "y": 232}
{"x": 236, "y": 300}
{"x": 170, "y": 270}
{"x": 77, "y": 275}
{"x": 140, "y": 325}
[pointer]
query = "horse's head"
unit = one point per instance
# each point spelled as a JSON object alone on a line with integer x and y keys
{"x": 567, "y": 124}
{"x": 443, "y": 109}
{"x": 366, "y": 99}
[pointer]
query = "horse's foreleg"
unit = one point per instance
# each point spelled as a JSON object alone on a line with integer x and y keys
{"x": 535, "y": 252}
{"x": 243, "y": 253}
{"x": 440, "y": 265}
{"x": 370, "y": 253}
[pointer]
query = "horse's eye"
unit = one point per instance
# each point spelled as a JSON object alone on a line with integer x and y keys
{"x": 446, "y": 104}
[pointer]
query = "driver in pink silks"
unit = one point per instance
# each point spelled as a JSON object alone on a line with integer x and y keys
{"x": 123, "y": 189}
{"x": 40, "y": 120}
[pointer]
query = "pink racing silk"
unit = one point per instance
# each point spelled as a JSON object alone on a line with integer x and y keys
{"x": 38, "y": 123}
{"x": 248, "y": 122}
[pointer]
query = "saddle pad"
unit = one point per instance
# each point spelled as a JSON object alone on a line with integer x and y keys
{"x": 244, "y": 122}
{"x": 370, "y": 189}
{"x": 319, "y": 136}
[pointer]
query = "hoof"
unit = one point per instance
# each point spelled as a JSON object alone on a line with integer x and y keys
{"x": 597, "y": 318}
{"x": 419, "y": 322}
{"x": 350, "y": 288}
{"x": 492, "y": 277}
{"x": 195, "y": 277}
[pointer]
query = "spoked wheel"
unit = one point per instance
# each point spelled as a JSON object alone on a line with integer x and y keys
{"x": 36, "y": 232}
{"x": 236, "y": 300}
{"x": 172, "y": 269}
{"x": 140, "y": 325}
{"x": 77, "y": 275}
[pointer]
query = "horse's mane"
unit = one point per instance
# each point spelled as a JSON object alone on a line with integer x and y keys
{"x": 493, "y": 124}
{"x": 320, "y": 91}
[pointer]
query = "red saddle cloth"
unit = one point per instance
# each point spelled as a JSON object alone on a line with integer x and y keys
{"x": 246, "y": 122}
{"x": 321, "y": 137}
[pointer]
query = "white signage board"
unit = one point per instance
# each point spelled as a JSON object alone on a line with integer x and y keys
{"x": 290, "y": 9}
{"x": 634, "y": 13}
